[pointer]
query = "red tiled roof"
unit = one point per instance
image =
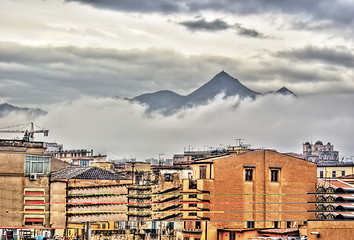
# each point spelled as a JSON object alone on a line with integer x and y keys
{"x": 347, "y": 176}
{"x": 337, "y": 183}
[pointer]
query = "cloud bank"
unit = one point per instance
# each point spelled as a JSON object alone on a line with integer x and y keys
{"x": 122, "y": 129}
{"x": 47, "y": 74}
{"x": 337, "y": 12}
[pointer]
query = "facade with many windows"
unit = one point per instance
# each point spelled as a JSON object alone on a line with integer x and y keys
{"x": 327, "y": 170}
{"x": 247, "y": 191}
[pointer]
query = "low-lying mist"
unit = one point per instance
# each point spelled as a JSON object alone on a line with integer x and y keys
{"x": 122, "y": 129}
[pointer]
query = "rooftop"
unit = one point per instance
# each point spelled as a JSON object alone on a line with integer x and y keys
{"x": 84, "y": 173}
{"x": 20, "y": 143}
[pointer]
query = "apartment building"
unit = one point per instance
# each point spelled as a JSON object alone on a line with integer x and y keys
{"x": 75, "y": 157}
{"x": 334, "y": 170}
{"x": 24, "y": 185}
{"x": 166, "y": 197}
{"x": 255, "y": 190}
{"x": 86, "y": 194}
{"x": 334, "y": 210}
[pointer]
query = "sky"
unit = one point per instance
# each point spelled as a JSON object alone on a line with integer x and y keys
{"x": 79, "y": 59}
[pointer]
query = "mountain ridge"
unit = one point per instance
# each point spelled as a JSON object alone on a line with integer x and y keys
{"x": 222, "y": 83}
{"x": 6, "y": 108}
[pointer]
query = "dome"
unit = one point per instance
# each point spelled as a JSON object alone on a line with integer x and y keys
{"x": 328, "y": 143}
{"x": 307, "y": 143}
{"x": 318, "y": 143}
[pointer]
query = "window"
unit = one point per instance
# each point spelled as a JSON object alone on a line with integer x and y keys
{"x": 333, "y": 174}
{"x": 250, "y": 224}
{"x": 153, "y": 225}
{"x": 34, "y": 219}
{"x": 186, "y": 238}
{"x": 192, "y": 214}
{"x": 202, "y": 172}
{"x": 232, "y": 236}
{"x": 198, "y": 225}
{"x": 34, "y": 191}
{"x": 192, "y": 205}
{"x": 192, "y": 196}
{"x": 121, "y": 224}
{"x": 37, "y": 164}
{"x": 249, "y": 174}
{"x": 34, "y": 200}
{"x": 132, "y": 225}
{"x": 274, "y": 175}
{"x": 276, "y": 224}
{"x": 321, "y": 174}
{"x": 37, "y": 167}
{"x": 116, "y": 225}
{"x": 104, "y": 225}
{"x": 192, "y": 184}
{"x": 34, "y": 209}
{"x": 288, "y": 224}
{"x": 84, "y": 163}
{"x": 168, "y": 177}
{"x": 343, "y": 173}
{"x": 171, "y": 226}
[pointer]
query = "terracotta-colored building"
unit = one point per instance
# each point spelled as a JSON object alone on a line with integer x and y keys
{"x": 256, "y": 190}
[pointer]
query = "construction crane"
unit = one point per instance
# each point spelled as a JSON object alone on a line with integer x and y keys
{"x": 28, "y": 134}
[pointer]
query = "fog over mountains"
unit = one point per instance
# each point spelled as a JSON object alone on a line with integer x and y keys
{"x": 169, "y": 102}
{"x": 6, "y": 108}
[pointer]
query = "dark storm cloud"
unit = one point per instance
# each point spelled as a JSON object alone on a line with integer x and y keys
{"x": 338, "y": 12}
{"x": 165, "y": 6}
{"x": 203, "y": 25}
{"x": 333, "y": 56}
{"x": 47, "y": 74}
{"x": 219, "y": 25}
{"x": 248, "y": 32}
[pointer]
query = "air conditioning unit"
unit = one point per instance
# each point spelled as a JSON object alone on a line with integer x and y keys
{"x": 33, "y": 177}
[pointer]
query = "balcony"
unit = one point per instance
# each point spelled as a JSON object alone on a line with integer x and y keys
{"x": 138, "y": 196}
{"x": 192, "y": 231}
{"x": 194, "y": 186}
{"x": 139, "y": 214}
{"x": 169, "y": 199}
{"x": 139, "y": 205}
{"x": 139, "y": 187}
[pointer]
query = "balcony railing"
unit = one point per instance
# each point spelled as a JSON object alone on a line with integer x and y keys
{"x": 193, "y": 231}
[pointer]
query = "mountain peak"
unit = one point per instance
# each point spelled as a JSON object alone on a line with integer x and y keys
{"x": 285, "y": 91}
{"x": 169, "y": 102}
{"x": 223, "y": 73}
